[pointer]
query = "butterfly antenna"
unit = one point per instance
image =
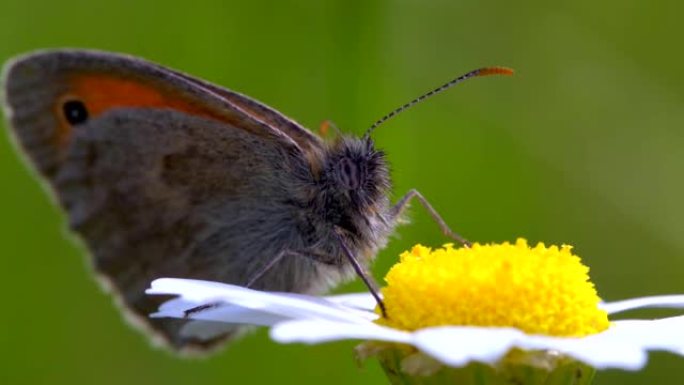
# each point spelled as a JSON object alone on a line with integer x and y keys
{"x": 478, "y": 72}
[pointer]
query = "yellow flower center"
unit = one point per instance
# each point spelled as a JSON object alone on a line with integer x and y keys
{"x": 540, "y": 290}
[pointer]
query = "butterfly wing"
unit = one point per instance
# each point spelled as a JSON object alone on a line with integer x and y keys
{"x": 161, "y": 175}
{"x": 311, "y": 144}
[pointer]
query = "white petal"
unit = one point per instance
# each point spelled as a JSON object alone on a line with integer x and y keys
{"x": 662, "y": 334}
{"x": 174, "y": 308}
{"x": 659, "y": 301}
{"x": 457, "y": 346}
{"x": 601, "y": 351}
{"x": 285, "y": 305}
{"x": 238, "y": 315}
{"x": 624, "y": 345}
{"x": 361, "y": 301}
{"x": 312, "y": 332}
{"x": 307, "y": 319}
{"x": 190, "y": 289}
{"x": 226, "y": 313}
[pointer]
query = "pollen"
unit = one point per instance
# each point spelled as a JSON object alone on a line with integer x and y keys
{"x": 539, "y": 290}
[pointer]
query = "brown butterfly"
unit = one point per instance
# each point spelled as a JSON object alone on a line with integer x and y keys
{"x": 165, "y": 175}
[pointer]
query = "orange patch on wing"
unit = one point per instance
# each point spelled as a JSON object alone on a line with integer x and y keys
{"x": 101, "y": 93}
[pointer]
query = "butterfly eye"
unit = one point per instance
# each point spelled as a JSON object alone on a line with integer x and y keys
{"x": 75, "y": 112}
{"x": 348, "y": 174}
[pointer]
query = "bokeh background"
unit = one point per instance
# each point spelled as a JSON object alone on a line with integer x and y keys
{"x": 585, "y": 145}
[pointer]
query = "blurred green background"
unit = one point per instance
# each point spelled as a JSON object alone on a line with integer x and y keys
{"x": 585, "y": 145}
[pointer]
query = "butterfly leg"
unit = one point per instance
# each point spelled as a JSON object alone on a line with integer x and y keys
{"x": 320, "y": 258}
{"x": 400, "y": 206}
{"x": 197, "y": 309}
{"x": 317, "y": 257}
{"x": 362, "y": 273}
{"x": 260, "y": 273}
{"x": 266, "y": 268}
{"x": 358, "y": 268}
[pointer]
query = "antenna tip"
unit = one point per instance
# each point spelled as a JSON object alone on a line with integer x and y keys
{"x": 495, "y": 71}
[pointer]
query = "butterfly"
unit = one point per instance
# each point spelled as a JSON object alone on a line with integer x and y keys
{"x": 165, "y": 175}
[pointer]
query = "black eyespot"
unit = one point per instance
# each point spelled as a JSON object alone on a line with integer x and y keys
{"x": 75, "y": 112}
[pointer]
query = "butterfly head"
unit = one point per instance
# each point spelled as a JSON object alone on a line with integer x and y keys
{"x": 356, "y": 172}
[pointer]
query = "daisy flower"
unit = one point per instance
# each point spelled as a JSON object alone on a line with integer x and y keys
{"x": 491, "y": 313}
